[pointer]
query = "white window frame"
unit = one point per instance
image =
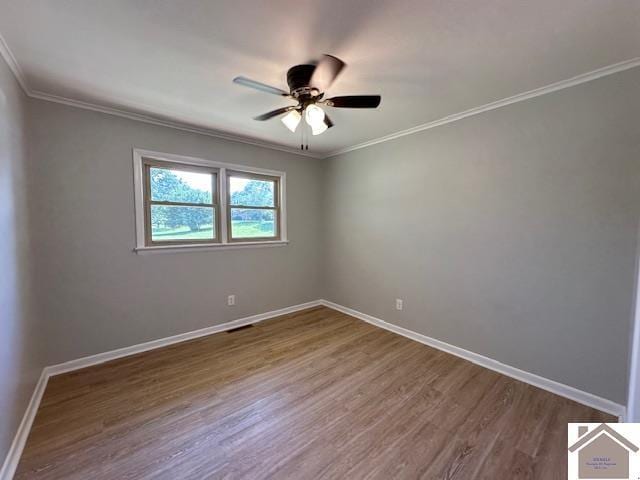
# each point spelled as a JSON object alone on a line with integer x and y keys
{"x": 225, "y": 242}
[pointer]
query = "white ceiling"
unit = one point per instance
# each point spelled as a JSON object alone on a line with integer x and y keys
{"x": 427, "y": 58}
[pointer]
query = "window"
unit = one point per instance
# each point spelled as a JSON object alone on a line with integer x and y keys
{"x": 189, "y": 202}
{"x": 252, "y": 206}
{"x": 180, "y": 204}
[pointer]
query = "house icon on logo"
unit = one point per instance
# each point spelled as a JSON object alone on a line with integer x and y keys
{"x": 603, "y": 453}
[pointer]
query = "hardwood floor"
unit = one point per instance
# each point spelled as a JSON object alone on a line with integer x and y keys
{"x": 311, "y": 395}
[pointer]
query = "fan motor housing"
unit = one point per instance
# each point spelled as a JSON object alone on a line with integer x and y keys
{"x": 298, "y": 77}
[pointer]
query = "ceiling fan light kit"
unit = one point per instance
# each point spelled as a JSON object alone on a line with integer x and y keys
{"x": 308, "y": 84}
{"x": 318, "y": 129}
{"x": 314, "y": 116}
{"x": 291, "y": 120}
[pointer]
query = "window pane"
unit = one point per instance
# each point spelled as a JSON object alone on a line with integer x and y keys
{"x": 251, "y": 192}
{"x": 170, "y": 224}
{"x": 250, "y": 223}
{"x": 180, "y": 186}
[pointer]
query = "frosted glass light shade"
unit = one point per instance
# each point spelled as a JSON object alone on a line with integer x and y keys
{"x": 314, "y": 115}
{"x": 318, "y": 129}
{"x": 292, "y": 120}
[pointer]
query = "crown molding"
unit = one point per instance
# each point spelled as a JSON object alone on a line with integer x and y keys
{"x": 154, "y": 120}
{"x": 14, "y": 66}
{"x": 554, "y": 87}
{"x": 8, "y": 56}
{"x": 167, "y": 123}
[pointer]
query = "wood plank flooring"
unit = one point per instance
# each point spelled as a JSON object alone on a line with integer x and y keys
{"x": 311, "y": 395}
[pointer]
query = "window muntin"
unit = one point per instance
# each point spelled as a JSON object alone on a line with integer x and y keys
{"x": 253, "y": 210}
{"x": 181, "y": 204}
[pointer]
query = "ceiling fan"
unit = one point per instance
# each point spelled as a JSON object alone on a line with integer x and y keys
{"x": 308, "y": 84}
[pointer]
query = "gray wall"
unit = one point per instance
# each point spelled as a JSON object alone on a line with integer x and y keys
{"x": 511, "y": 233}
{"x": 96, "y": 294}
{"x": 633, "y": 399}
{"x": 19, "y": 348}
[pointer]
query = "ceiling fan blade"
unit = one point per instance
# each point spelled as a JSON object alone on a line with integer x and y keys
{"x": 273, "y": 113}
{"x": 328, "y": 68}
{"x": 354, "y": 101}
{"x": 327, "y": 121}
{"x": 247, "y": 82}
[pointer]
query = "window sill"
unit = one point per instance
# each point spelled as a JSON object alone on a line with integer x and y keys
{"x": 208, "y": 246}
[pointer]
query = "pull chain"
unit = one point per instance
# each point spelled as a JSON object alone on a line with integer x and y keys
{"x": 304, "y": 137}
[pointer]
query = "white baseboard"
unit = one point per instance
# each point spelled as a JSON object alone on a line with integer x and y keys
{"x": 19, "y": 441}
{"x": 163, "y": 342}
{"x": 552, "y": 386}
{"x": 15, "y": 451}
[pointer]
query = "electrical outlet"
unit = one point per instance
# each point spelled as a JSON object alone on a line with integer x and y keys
{"x": 398, "y": 304}
{"x": 231, "y": 300}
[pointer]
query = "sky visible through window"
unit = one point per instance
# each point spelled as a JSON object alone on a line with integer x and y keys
{"x": 198, "y": 181}
{"x": 237, "y": 184}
